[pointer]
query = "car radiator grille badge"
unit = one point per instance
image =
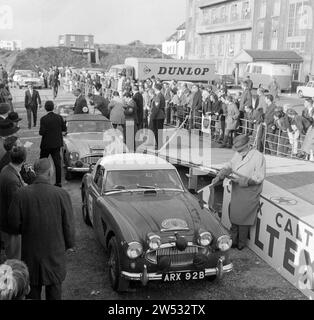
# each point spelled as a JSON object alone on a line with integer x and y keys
{"x": 174, "y": 224}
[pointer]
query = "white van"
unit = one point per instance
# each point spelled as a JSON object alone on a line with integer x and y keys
{"x": 261, "y": 73}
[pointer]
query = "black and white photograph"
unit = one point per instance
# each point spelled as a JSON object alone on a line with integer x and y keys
{"x": 156, "y": 154}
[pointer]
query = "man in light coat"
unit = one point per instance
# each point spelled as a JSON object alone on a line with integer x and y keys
{"x": 247, "y": 170}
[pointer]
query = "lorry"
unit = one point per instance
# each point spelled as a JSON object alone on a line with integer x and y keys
{"x": 140, "y": 69}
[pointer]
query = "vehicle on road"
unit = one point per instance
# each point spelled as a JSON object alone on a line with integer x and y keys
{"x": 26, "y": 77}
{"x": 65, "y": 108}
{"x": 306, "y": 90}
{"x": 150, "y": 225}
{"x": 84, "y": 142}
{"x": 262, "y": 73}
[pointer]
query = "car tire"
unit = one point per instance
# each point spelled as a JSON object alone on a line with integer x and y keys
{"x": 300, "y": 94}
{"x": 85, "y": 212}
{"x": 114, "y": 267}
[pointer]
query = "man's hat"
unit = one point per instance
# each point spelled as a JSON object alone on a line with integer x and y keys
{"x": 7, "y": 128}
{"x": 14, "y": 117}
{"x": 4, "y": 108}
{"x": 42, "y": 166}
{"x": 240, "y": 142}
{"x": 291, "y": 112}
{"x": 158, "y": 86}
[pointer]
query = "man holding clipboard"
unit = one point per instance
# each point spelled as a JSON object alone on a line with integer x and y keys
{"x": 247, "y": 170}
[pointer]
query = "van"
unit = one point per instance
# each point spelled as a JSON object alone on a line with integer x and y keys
{"x": 261, "y": 73}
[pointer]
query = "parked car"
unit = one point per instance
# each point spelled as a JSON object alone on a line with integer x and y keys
{"x": 85, "y": 142}
{"x": 26, "y": 78}
{"x": 150, "y": 225}
{"x": 65, "y": 108}
{"x": 18, "y": 75}
{"x": 306, "y": 90}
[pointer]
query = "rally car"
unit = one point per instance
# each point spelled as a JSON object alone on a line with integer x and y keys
{"x": 30, "y": 77}
{"x": 85, "y": 142}
{"x": 151, "y": 226}
{"x": 65, "y": 108}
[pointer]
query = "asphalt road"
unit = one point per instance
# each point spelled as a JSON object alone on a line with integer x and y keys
{"x": 87, "y": 276}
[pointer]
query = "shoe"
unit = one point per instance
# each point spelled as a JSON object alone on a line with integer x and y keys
{"x": 240, "y": 248}
{"x": 58, "y": 185}
{"x": 234, "y": 246}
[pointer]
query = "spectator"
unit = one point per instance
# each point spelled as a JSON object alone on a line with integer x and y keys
{"x": 249, "y": 120}
{"x": 307, "y": 78}
{"x": 232, "y": 117}
{"x": 80, "y": 106}
{"x": 55, "y": 83}
{"x": 308, "y": 112}
{"x": 42, "y": 214}
{"x": 295, "y": 130}
{"x": 51, "y": 128}
{"x": 32, "y": 102}
{"x": 121, "y": 82}
{"x": 274, "y": 88}
{"x": 116, "y": 111}
{"x": 8, "y": 145}
{"x": 307, "y": 148}
{"x": 249, "y": 83}
{"x": 7, "y": 129}
{"x": 14, "y": 118}
{"x": 258, "y": 133}
{"x": 10, "y": 182}
{"x": 4, "y": 110}
{"x": 260, "y": 101}
{"x": 130, "y": 110}
{"x": 174, "y": 106}
{"x": 282, "y": 127}
{"x": 222, "y": 117}
{"x": 139, "y": 101}
{"x": 188, "y": 102}
{"x": 5, "y": 96}
{"x": 196, "y": 107}
{"x": 271, "y": 141}
{"x": 100, "y": 103}
{"x": 246, "y": 100}
{"x": 167, "y": 94}
{"x": 207, "y": 104}
{"x": 14, "y": 280}
{"x": 216, "y": 113}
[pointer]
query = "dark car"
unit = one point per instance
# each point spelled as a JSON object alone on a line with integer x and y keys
{"x": 151, "y": 226}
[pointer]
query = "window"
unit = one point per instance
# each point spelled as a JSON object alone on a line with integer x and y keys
{"x": 248, "y": 69}
{"x": 246, "y": 12}
{"x": 261, "y": 26}
{"x": 86, "y": 38}
{"x": 72, "y": 38}
{"x": 214, "y": 16}
{"x": 99, "y": 176}
{"x": 257, "y": 70}
{"x": 262, "y": 9}
{"x": 295, "y": 72}
{"x": 206, "y": 16}
{"x": 276, "y": 8}
{"x": 231, "y": 44}
{"x": 296, "y": 16}
{"x": 243, "y": 41}
{"x": 212, "y": 46}
{"x": 223, "y": 15}
{"x": 234, "y": 12}
{"x": 221, "y": 45}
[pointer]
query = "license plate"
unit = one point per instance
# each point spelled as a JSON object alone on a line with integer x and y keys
{"x": 183, "y": 276}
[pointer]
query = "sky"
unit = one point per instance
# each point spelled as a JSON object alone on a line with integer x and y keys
{"x": 40, "y": 22}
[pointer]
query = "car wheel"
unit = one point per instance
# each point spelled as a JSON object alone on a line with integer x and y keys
{"x": 300, "y": 94}
{"x": 117, "y": 283}
{"x": 85, "y": 212}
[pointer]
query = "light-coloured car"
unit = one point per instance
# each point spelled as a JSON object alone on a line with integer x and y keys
{"x": 306, "y": 90}
{"x": 30, "y": 77}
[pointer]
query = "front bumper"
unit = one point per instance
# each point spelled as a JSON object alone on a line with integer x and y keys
{"x": 73, "y": 169}
{"x": 144, "y": 277}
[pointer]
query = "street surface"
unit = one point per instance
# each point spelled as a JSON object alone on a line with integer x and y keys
{"x": 87, "y": 277}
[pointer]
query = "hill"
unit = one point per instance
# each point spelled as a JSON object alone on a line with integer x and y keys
{"x": 46, "y": 57}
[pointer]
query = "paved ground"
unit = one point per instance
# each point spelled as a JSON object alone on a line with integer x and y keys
{"x": 87, "y": 277}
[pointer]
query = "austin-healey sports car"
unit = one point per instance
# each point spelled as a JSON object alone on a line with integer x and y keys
{"x": 85, "y": 141}
{"x": 150, "y": 225}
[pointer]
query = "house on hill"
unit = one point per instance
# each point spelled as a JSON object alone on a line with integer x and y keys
{"x": 174, "y": 46}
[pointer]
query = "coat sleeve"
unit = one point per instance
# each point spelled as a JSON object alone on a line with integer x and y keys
{"x": 67, "y": 221}
{"x": 259, "y": 172}
{"x": 38, "y": 97}
{"x": 26, "y": 100}
{"x": 155, "y": 109}
{"x": 15, "y": 215}
{"x": 42, "y": 129}
{"x": 63, "y": 125}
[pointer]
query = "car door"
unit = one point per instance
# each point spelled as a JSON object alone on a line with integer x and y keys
{"x": 309, "y": 89}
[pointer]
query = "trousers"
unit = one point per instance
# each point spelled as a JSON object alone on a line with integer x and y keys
{"x": 31, "y": 111}
{"x": 56, "y": 157}
{"x": 53, "y": 292}
{"x": 12, "y": 245}
{"x": 239, "y": 234}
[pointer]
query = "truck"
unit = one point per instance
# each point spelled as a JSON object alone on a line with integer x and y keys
{"x": 140, "y": 69}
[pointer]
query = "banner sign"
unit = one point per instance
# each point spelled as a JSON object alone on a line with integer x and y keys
{"x": 206, "y": 122}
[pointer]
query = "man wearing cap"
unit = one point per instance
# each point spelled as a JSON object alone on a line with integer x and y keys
{"x": 4, "y": 110}
{"x": 10, "y": 182}
{"x": 7, "y": 129}
{"x": 43, "y": 215}
{"x": 51, "y": 127}
{"x": 14, "y": 117}
{"x": 80, "y": 106}
{"x": 32, "y": 102}
{"x": 247, "y": 171}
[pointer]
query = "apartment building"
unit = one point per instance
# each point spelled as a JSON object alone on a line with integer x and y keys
{"x": 220, "y": 29}
{"x": 77, "y": 41}
{"x": 11, "y": 45}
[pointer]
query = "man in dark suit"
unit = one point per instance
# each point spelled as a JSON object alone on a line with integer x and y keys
{"x": 197, "y": 107}
{"x": 32, "y": 102}
{"x": 10, "y": 182}
{"x": 51, "y": 127}
{"x": 138, "y": 98}
{"x": 43, "y": 215}
{"x": 80, "y": 106}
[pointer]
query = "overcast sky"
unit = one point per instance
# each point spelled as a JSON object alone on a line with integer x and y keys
{"x": 39, "y": 22}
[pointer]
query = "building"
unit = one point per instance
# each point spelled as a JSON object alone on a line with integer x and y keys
{"x": 77, "y": 41}
{"x": 11, "y": 45}
{"x": 220, "y": 29}
{"x": 174, "y": 46}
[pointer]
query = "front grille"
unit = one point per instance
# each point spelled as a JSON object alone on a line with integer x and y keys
{"x": 91, "y": 160}
{"x": 178, "y": 258}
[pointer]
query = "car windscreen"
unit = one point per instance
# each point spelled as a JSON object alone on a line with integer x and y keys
{"x": 88, "y": 126}
{"x": 142, "y": 179}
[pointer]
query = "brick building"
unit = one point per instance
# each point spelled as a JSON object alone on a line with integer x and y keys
{"x": 220, "y": 29}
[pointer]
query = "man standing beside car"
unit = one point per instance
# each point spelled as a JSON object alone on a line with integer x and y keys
{"x": 51, "y": 127}
{"x": 32, "y": 102}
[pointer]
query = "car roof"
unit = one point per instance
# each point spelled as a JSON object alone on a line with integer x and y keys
{"x": 86, "y": 117}
{"x": 135, "y": 161}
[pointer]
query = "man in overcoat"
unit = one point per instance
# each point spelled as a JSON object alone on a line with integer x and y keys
{"x": 247, "y": 169}
{"x": 43, "y": 215}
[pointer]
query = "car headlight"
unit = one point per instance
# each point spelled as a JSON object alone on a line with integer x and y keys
{"x": 154, "y": 241}
{"x": 74, "y": 156}
{"x": 224, "y": 243}
{"x": 205, "y": 239}
{"x": 135, "y": 249}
